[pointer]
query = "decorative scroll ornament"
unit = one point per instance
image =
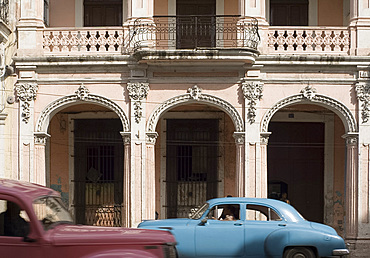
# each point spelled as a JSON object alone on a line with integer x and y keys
{"x": 363, "y": 94}
{"x": 239, "y": 137}
{"x": 195, "y": 92}
{"x": 151, "y": 137}
{"x": 308, "y": 92}
{"x": 137, "y": 91}
{"x": 26, "y": 92}
{"x": 252, "y": 91}
{"x": 82, "y": 92}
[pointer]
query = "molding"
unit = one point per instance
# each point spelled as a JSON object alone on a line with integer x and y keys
{"x": 41, "y": 138}
{"x": 81, "y": 95}
{"x": 363, "y": 95}
{"x": 252, "y": 91}
{"x": 200, "y": 98}
{"x": 26, "y": 92}
{"x": 309, "y": 96}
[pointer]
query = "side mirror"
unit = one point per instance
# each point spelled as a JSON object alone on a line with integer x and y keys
{"x": 203, "y": 222}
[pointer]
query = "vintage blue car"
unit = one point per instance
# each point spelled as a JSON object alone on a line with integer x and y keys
{"x": 250, "y": 227}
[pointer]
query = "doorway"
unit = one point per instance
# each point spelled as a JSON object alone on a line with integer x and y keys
{"x": 98, "y": 176}
{"x": 191, "y": 164}
{"x": 296, "y": 165}
{"x": 195, "y": 23}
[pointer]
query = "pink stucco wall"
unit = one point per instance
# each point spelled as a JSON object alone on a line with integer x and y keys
{"x": 330, "y": 12}
{"x": 62, "y": 13}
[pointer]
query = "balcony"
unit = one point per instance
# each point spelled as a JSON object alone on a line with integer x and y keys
{"x": 195, "y": 37}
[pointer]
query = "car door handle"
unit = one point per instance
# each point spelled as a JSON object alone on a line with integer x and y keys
{"x": 238, "y": 224}
{"x": 282, "y": 225}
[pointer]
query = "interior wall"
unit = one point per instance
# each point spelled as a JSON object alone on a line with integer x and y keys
{"x": 330, "y": 13}
{"x": 62, "y": 13}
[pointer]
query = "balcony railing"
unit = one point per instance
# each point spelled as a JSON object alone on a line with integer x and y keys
{"x": 308, "y": 40}
{"x": 157, "y": 33}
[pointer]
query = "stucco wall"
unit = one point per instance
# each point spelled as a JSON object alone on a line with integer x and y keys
{"x": 62, "y": 13}
{"x": 330, "y": 12}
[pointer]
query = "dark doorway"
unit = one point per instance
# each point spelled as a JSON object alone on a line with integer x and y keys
{"x": 296, "y": 165}
{"x": 102, "y": 13}
{"x": 192, "y": 163}
{"x": 289, "y": 12}
{"x": 195, "y": 23}
{"x": 98, "y": 176}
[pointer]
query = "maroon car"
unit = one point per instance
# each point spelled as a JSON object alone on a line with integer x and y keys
{"x": 35, "y": 223}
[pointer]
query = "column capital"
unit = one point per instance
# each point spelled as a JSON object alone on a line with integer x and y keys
{"x": 151, "y": 137}
{"x": 351, "y": 138}
{"x": 41, "y": 137}
{"x": 126, "y": 136}
{"x": 239, "y": 137}
{"x": 265, "y": 137}
{"x": 138, "y": 91}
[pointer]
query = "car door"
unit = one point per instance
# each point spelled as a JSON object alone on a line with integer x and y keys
{"x": 260, "y": 222}
{"x": 220, "y": 238}
{"x": 16, "y": 244}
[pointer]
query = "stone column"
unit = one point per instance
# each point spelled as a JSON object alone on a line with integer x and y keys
{"x": 126, "y": 219}
{"x": 2, "y": 145}
{"x": 351, "y": 185}
{"x": 26, "y": 94}
{"x": 138, "y": 92}
{"x": 263, "y": 146}
{"x": 240, "y": 173}
{"x": 39, "y": 164}
{"x": 254, "y": 180}
{"x": 359, "y": 27}
{"x": 149, "y": 186}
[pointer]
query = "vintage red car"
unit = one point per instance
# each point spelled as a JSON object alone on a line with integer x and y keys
{"x": 35, "y": 223}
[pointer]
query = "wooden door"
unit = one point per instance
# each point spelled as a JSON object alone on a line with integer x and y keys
{"x": 102, "y": 13}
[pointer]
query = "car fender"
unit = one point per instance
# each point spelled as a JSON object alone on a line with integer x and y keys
{"x": 118, "y": 253}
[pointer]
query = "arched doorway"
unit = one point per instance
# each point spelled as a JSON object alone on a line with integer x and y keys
{"x": 306, "y": 154}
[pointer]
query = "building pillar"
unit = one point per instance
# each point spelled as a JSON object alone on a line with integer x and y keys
{"x": 360, "y": 27}
{"x": 39, "y": 164}
{"x": 240, "y": 172}
{"x": 2, "y": 145}
{"x": 126, "y": 218}
{"x": 254, "y": 179}
{"x": 351, "y": 185}
{"x": 263, "y": 146}
{"x": 138, "y": 91}
{"x": 150, "y": 176}
{"x": 26, "y": 94}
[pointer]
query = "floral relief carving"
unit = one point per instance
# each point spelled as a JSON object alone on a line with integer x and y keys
{"x": 252, "y": 91}
{"x": 26, "y": 92}
{"x": 195, "y": 92}
{"x": 308, "y": 92}
{"x": 137, "y": 92}
{"x": 363, "y": 94}
{"x": 82, "y": 92}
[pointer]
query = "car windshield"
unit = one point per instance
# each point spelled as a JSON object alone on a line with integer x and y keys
{"x": 51, "y": 211}
{"x": 198, "y": 212}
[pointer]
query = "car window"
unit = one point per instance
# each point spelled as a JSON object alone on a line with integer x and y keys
{"x": 14, "y": 221}
{"x": 261, "y": 213}
{"x": 225, "y": 212}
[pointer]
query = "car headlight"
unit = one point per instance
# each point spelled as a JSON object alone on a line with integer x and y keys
{"x": 169, "y": 250}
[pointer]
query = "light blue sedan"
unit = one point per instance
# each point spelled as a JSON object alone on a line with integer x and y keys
{"x": 250, "y": 227}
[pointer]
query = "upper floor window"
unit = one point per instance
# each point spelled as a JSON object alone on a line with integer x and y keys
{"x": 289, "y": 12}
{"x": 102, "y": 13}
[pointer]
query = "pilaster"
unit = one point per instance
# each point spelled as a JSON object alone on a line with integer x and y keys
{"x": 360, "y": 27}
{"x": 137, "y": 92}
{"x": 2, "y": 144}
{"x": 26, "y": 94}
{"x": 39, "y": 164}
{"x": 126, "y": 213}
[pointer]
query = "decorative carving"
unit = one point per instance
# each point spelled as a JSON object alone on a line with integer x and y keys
{"x": 308, "y": 92}
{"x": 363, "y": 94}
{"x": 252, "y": 91}
{"x": 40, "y": 138}
{"x": 138, "y": 91}
{"x": 351, "y": 138}
{"x": 330, "y": 103}
{"x": 151, "y": 137}
{"x": 44, "y": 117}
{"x": 239, "y": 137}
{"x": 126, "y": 136}
{"x": 186, "y": 98}
{"x": 265, "y": 137}
{"x": 195, "y": 92}
{"x": 26, "y": 92}
{"x": 82, "y": 92}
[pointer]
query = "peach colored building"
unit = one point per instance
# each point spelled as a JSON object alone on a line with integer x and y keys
{"x": 140, "y": 109}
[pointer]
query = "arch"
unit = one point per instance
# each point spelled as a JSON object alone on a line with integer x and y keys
{"x": 82, "y": 96}
{"x": 195, "y": 96}
{"x": 309, "y": 96}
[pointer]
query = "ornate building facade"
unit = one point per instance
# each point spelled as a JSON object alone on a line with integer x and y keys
{"x": 140, "y": 109}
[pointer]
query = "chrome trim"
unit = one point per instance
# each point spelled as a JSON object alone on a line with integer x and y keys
{"x": 340, "y": 251}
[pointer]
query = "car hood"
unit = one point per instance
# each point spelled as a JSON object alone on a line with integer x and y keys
{"x": 93, "y": 235}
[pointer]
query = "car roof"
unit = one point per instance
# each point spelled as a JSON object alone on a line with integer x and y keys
{"x": 24, "y": 190}
{"x": 289, "y": 212}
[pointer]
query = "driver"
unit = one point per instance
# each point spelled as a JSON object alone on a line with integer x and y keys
{"x": 14, "y": 224}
